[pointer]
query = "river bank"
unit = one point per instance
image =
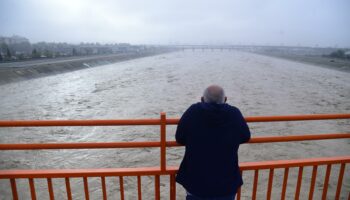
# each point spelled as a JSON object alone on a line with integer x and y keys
{"x": 317, "y": 60}
{"x": 19, "y": 71}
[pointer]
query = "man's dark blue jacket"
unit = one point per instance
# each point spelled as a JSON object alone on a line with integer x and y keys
{"x": 211, "y": 134}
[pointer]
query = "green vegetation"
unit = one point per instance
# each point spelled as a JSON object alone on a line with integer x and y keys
{"x": 48, "y": 53}
{"x": 74, "y": 52}
{"x": 35, "y": 54}
{"x": 8, "y": 53}
{"x": 340, "y": 53}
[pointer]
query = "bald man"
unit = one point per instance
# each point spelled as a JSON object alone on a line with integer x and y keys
{"x": 211, "y": 131}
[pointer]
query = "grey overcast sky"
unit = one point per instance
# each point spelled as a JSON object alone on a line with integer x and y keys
{"x": 259, "y": 22}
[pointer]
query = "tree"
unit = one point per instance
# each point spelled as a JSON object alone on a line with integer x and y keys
{"x": 74, "y": 52}
{"x": 21, "y": 56}
{"x": 8, "y": 53}
{"x": 3, "y": 47}
{"x": 338, "y": 54}
{"x": 35, "y": 54}
{"x": 48, "y": 53}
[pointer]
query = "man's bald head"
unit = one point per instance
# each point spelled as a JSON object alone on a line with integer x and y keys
{"x": 214, "y": 94}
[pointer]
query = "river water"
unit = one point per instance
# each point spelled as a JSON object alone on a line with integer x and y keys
{"x": 142, "y": 88}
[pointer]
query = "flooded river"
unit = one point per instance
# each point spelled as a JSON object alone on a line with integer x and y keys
{"x": 142, "y": 88}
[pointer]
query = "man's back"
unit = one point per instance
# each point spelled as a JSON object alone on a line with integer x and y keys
{"x": 211, "y": 133}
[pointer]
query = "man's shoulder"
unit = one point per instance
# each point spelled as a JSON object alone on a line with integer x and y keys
{"x": 195, "y": 105}
{"x": 193, "y": 108}
{"x": 201, "y": 106}
{"x": 233, "y": 108}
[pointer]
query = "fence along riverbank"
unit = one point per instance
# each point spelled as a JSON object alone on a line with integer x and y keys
{"x": 170, "y": 171}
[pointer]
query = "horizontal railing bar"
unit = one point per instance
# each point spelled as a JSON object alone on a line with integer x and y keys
{"x": 148, "y": 171}
{"x": 297, "y": 117}
{"x": 62, "y": 173}
{"x": 285, "y": 118}
{"x": 294, "y": 163}
{"x": 105, "y": 145}
{"x": 289, "y": 138}
{"x": 119, "y": 122}
{"x": 130, "y": 122}
{"x": 80, "y": 145}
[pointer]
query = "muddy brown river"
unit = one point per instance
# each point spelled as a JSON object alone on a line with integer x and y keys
{"x": 142, "y": 88}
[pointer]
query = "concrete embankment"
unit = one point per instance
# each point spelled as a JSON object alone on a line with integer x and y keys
{"x": 14, "y": 72}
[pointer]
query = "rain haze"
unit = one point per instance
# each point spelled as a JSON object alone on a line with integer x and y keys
{"x": 294, "y": 23}
{"x": 63, "y": 60}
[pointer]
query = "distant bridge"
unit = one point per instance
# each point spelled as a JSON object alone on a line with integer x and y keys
{"x": 253, "y": 48}
{"x": 214, "y": 47}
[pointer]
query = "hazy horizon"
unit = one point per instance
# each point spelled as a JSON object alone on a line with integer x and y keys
{"x": 288, "y": 23}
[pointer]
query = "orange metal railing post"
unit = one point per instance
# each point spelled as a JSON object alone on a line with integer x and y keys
{"x": 50, "y": 188}
{"x": 162, "y": 141}
{"x": 269, "y": 185}
{"x": 326, "y": 181}
{"x": 121, "y": 186}
{"x": 139, "y": 191}
{"x": 300, "y": 177}
{"x": 68, "y": 189}
{"x": 255, "y": 184}
{"x": 86, "y": 188}
{"x": 285, "y": 182}
{"x": 157, "y": 187}
{"x": 14, "y": 189}
{"x": 313, "y": 181}
{"x": 32, "y": 188}
{"x": 172, "y": 187}
{"x": 340, "y": 181}
{"x": 239, "y": 190}
{"x": 103, "y": 184}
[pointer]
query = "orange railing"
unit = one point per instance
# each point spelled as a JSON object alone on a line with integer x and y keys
{"x": 170, "y": 171}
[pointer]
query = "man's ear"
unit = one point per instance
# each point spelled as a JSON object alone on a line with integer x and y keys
{"x": 202, "y": 99}
{"x": 225, "y": 99}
